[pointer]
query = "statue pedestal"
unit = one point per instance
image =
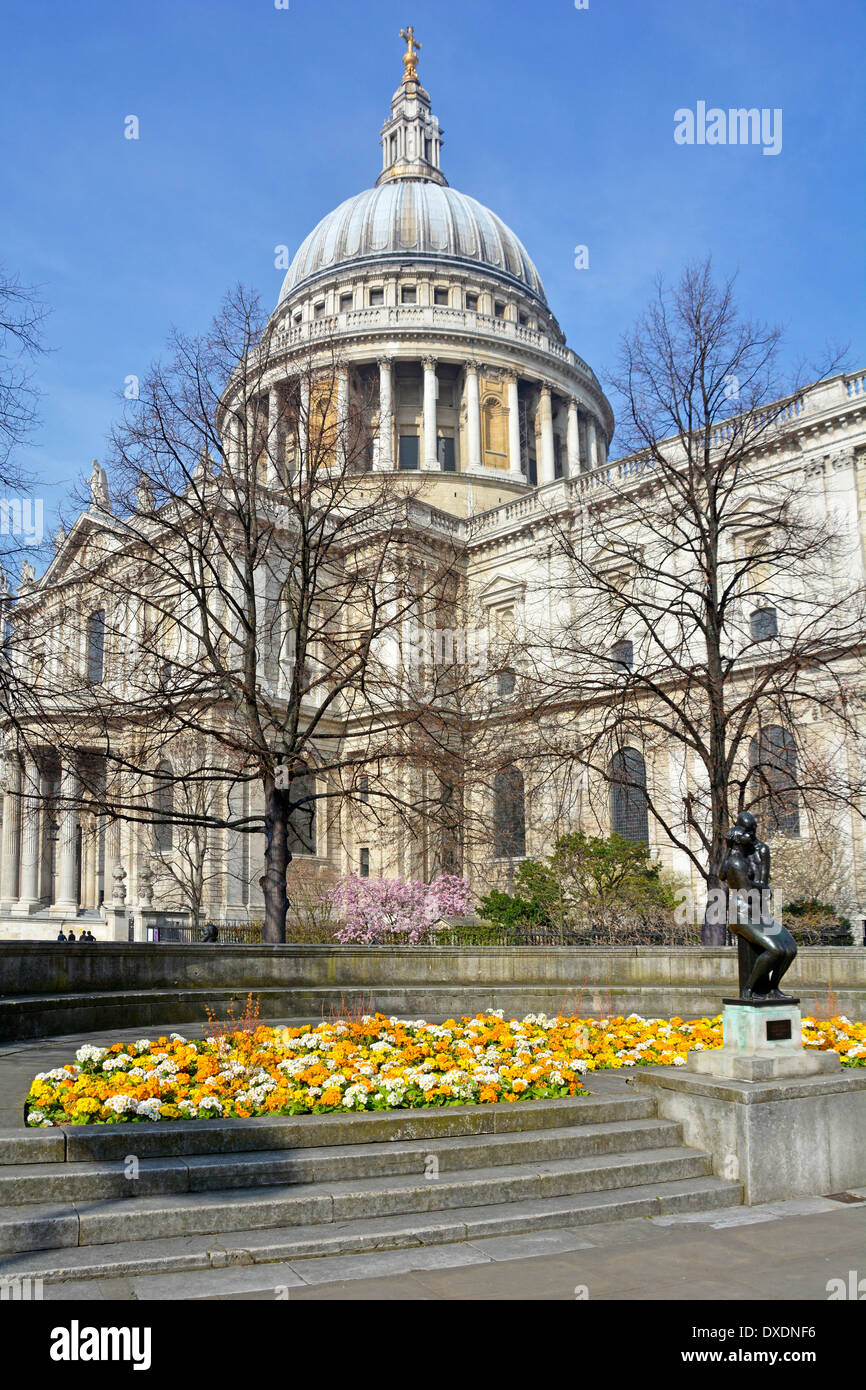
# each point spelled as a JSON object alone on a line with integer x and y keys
{"x": 116, "y": 918}
{"x": 762, "y": 1042}
{"x": 784, "y": 1120}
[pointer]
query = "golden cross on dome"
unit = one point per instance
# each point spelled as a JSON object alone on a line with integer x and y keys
{"x": 410, "y": 57}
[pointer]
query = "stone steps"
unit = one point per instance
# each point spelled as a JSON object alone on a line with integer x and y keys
{"x": 214, "y": 1193}
{"x": 78, "y": 1143}
{"x": 159, "y": 1255}
{"x": 41, "y": 1183}
{"x": 36, "y": 1226}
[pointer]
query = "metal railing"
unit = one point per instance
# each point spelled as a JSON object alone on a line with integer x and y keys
{"x": 181, "y": 933}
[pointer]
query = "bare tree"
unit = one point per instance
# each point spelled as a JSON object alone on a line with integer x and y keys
{"x": 711, "y": 609}
{"x": 183, "y": 851}
{"x": 21, "y": 318}
{"x": 246, "y": 580}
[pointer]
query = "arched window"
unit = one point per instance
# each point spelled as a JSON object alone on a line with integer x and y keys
{"x": 495, "y": 431}
{"x": 773, "y": 759}
{"x": 96, "y": 647}
{"x": 163, "y": 808}
{"x": 302, "y": 813}
{"x": 509, "y": 814}
{"x": 629, "y": 816}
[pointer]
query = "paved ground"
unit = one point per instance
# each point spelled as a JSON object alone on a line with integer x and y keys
{"x": 777, "y": 1252}
{"x": 784, "y": 1252}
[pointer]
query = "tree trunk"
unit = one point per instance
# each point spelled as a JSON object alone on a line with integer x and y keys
{"x": 714, "y": 930}
{"x": 277, "y": 860}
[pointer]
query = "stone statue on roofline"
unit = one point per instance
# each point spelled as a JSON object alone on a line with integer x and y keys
{"x": 204, "y": 469}
{"x": 100, "y": 499}
{"x": 144, "y": 499}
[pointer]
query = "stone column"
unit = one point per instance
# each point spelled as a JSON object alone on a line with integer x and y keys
{"x": 30, "y": 840}
{"x": 547, "y": 472}
{"x": 573, "y": 440}
{"x": 342, "y": 416}
{"x": 431, "y": 453}
{"x": 236, "y": 866}
{"x": 233, "y": 442}
{"x": 515, "y": 465}
{"x": 66, "y": 901}
{"x": 592, "y": 437}
{"x": 473, "y": 416}
{"x": 303, "y": 426}
{"x": 112, "y": 858}
{"x": 273, "y": 442}
{"x": 386, "y": 416}
{"x": 11, "y": 833}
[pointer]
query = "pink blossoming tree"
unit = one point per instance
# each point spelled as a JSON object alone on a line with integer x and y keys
{"x": 377, "y": 911}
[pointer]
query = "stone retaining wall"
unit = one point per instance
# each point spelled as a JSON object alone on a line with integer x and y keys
{"x": 52, "y": 988}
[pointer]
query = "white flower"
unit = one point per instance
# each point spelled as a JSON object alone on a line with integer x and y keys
{"x": 149, "y": 1109}
{"x": 88, "y": 1053}
{"x": 120, "y": 1104}
{"x": 116, "y": 1063}
{"x": 679, "y": 1061}
{"x": 35, "y": 1117}
{"x": 209, "y": 1103}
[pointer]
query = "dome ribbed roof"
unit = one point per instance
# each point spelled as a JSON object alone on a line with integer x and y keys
{"x": 413, "y": 220}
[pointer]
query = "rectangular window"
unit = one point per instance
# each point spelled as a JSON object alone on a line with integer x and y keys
{"x": 446, "y": 454}
{"x": 557, "y": 456}
{"x": 319, "y": 309}
{"x": 408, "y": 295}
{"x": 95, "y": 647}
{"x": 472, "y": 302}
{"x": 499, "y": 309}
{"x": 302, "y": 815}
{"x": 440, "y": 297}
{"x": 408, "y": 451}
{"x": 376, "y": 297}
{"x": 297, "y": 318}
{"x": 364, "y": 788}
{"x": 347, "y": 303}
{"x": 365, "y": 862}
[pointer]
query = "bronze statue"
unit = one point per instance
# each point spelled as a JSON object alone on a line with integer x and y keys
{"x": 766, "y": 946}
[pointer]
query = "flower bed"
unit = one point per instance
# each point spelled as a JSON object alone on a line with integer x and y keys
{"x": 376, "y": 1063}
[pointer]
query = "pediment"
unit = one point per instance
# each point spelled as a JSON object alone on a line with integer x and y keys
{"x": 502, "y": 588}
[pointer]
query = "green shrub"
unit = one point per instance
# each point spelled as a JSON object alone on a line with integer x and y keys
{"x": 587, "y": 884}
{"x": 813, "y": 923}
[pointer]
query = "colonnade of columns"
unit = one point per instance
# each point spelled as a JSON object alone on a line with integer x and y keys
{"x": 27, "y": 883}
{"x": 585, "y": 447}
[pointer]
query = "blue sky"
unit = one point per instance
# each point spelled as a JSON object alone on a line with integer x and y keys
{"x": 255, "y": 121}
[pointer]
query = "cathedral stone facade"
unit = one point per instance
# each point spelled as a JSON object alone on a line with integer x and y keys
{"x": 441, "y": 318}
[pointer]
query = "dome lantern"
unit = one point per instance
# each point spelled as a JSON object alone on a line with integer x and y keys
{"x": 411, "y": 139}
